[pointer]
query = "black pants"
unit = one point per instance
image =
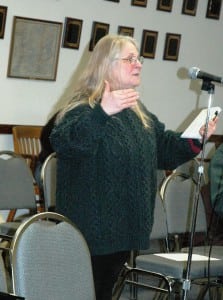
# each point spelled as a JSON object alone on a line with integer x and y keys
{"x": 106, "y": 269}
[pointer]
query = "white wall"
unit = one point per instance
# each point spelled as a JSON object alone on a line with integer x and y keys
{"x": 166, "y": 89}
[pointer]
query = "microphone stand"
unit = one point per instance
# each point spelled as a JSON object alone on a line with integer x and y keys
{"x": 209, "y": 87}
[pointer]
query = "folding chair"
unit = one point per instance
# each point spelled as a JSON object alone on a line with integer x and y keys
{"x": 50, "y": 259}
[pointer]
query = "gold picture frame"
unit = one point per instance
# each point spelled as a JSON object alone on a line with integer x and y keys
{"x": 172, "y": 46}
{"x": 99, "y": 30}
{"x": 165, "y": 5}
{"x": 213, "y": 9}
{"x": 3, "y": 15}
{"x": 148, "y": 44}
{"x": 34, "y": 49}
{"x": 142, "y": 3}
{"x": 189, "y": 7}
{"x": 124, "y": 30}
{"x": 72, "y": 33}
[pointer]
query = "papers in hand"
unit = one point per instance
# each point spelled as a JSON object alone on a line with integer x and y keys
{"x": 192, "y": 130}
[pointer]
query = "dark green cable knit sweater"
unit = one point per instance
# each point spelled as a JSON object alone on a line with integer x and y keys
{"x": 106, "y": 174}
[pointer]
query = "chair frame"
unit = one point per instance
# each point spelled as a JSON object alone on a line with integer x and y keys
{"x": 45, "y": 188}
{"x": 170, "y": 284}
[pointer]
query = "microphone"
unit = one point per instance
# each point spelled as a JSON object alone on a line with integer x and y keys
{"x": 195, "y": 73}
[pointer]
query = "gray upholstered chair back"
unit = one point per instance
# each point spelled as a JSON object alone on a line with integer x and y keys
{"x": 17, "y": 190}
{"x": 16, "y": 182}
{"x": 50, "y": 260}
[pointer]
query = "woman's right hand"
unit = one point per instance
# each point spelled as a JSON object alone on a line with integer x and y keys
{"x": 113, "y": 102}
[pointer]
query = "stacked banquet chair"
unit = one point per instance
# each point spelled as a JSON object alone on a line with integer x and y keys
{"x": 26, "y": 141}
{"x": 17, "y": 190}
{"x": 170, "y": 268}
{"x": 17, "y": 193}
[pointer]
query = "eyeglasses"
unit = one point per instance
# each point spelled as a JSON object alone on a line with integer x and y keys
{"x": 133, "y": 60}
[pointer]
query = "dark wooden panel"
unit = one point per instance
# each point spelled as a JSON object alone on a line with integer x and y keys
{"x": 6, "y": 128}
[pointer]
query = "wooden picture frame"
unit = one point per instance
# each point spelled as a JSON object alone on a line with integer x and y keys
{"x": 213, "y": 9}
{"x": 142, "y": 3}
{"x": 113, "y": 0}
{"x": 189, "y": 7}
{"x": 3, "y": 15}
{"x": 172, "y": 46}
{"x": 126, "y": 30}
{"x": 165, "y": 5}
{"x": 72, "y": 33}
{"x": 148, "y": 44}
{"x": 34, "y": 49}
{"x": 99, "y": 30}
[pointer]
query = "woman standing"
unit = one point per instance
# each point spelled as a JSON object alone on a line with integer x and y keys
{"x": 109, "y": 147}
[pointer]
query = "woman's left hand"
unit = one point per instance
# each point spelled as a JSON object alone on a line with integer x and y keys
{"x": 211, "y": 128}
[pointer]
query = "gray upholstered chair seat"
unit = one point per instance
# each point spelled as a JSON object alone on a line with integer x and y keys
{"x": 176, "y": 269}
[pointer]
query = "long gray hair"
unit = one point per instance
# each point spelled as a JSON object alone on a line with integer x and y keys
{"x": 90, "y": 85}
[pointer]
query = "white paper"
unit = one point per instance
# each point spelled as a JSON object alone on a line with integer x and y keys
{"x": 184, "y": 256}
{"x": 192, "y": 130}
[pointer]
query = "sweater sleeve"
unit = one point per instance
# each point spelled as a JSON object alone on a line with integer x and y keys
{"x": 80, "y": 130}
{"x": 215, "y": 172}
{"x": 172, "y": 150}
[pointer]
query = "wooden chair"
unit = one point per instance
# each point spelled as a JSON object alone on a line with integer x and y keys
{"x": 26, "y": 140}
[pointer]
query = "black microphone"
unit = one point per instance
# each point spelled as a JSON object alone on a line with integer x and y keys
{"x": 195, "y": 73}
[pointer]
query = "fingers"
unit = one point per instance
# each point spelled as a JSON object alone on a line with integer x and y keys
{"x": 126, "y": 95}
{"x": 127, "y": 98}
{"x": 115, "y": 101}
{"x": 211, "y": 128}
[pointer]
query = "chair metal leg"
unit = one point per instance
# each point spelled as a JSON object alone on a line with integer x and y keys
{"x": 133, "y": 276}
{"x": 129, "y": 276}
{"x": 203, "y": 292}
{"x": 133, "y": 288}
{"x": 119, "y": 286}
